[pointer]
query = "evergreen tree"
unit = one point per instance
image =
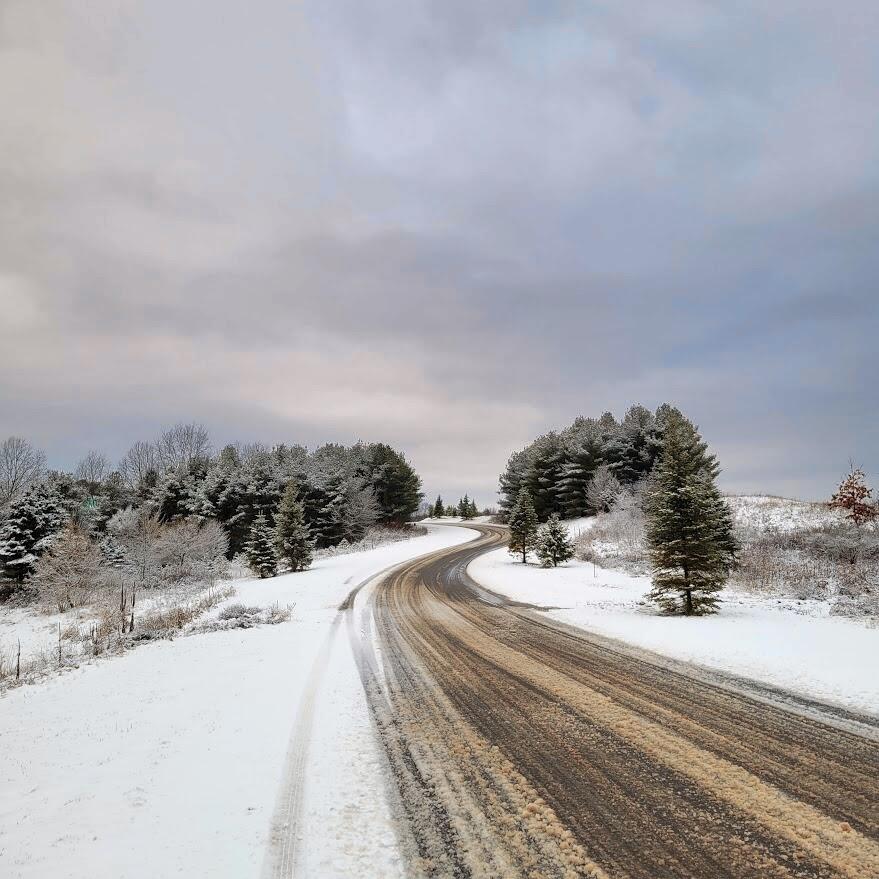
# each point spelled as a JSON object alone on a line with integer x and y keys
{"x": 689, "y": 525}
{"x": 523, "y": 525}
{"x": 396, "y": 485}
{"x": 553, "y": 544}
{"x": 438, "y": 509}
{"x": 584, "y": 456}
{"x": 466, "y": 508}
{"x": 512, "y": 480}
{"x": 292, "y": 534}
{"x": 549, "y": 457}
{"x": 32, "y": 522}
{"x": 260, "y": 548}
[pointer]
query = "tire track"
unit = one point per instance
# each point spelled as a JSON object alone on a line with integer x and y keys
{"x": 281, "y": 857}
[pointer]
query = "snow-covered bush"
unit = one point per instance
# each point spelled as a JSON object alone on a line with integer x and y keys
{"x": 240, "y": 616}
{"x": 617, "y": 538}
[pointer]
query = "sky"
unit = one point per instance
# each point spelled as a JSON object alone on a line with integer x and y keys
{"x": 451, "y": 226}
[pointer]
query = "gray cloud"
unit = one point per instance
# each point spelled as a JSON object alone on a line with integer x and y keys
{"x": 448, "y": 225}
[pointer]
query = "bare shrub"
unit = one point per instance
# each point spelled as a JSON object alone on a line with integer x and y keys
{"x": 236, "y": 610}
{"x": 167, "y": 620}
{"x": 193, "y": 550}
{"x": 70, "y": 573}
{"x": 617, "y": 538}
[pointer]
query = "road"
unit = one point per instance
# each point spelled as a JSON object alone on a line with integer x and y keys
{"x": 522, "y": 747}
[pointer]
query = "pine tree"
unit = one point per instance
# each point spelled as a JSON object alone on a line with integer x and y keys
{"x": 689, "y": 525}
{"x": 512, "y": 480}
{"x": 465, "y": 508}
{"x": 292, "y": 534}
{"x": 260, "y": 548}
{"x": 553, "y": 544}
{"x": 31, "y": 523}
{"x": 397, "y": 486}
{"x": 438, "y": 509}
{"x": 523, "y": 525}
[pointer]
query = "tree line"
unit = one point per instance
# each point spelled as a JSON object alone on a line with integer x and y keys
{"x": 582, "y": 470}
{"x": 579, "y": 471}
{"x": 178, "y": 487}
{"x": 464, "y": 509}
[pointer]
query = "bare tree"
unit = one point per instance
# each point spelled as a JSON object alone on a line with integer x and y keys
{"x": 140, "y": 536}
{"x": 94, "y": 467}
{"x": 603, "y": 490}
{"x": 361, "y": 511}
{"x": 181, "y": 445}
{"x": 139, "y": 462}
{"x": 21, "y": 465}
{"x": 193, "y": 550}
{"x": 70, "y": 572}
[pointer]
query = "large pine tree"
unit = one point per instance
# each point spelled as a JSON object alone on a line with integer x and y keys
{"x": 554, "y": 546}
{"x": 523, "y": 525}
{"x": 260, "y": 548}
{"x": 689, "y": 525}
{"x": 292, "y": 534}
{"x": 438, "y": 510}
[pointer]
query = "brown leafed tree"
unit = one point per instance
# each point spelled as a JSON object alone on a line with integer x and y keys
{"x": 853, "y": 498}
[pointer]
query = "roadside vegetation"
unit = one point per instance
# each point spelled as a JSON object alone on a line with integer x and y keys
{"x": 114, "y": 556}
{"x": 649, "y": 482}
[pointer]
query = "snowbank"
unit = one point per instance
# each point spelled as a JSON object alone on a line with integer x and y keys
{"x": 168, "y": 760}
{"x": 790, "y": 644}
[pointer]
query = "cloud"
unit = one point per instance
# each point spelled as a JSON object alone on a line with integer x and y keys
{"x": 451, "y": 226}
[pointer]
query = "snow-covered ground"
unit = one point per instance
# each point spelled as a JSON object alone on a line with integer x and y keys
{"x": 779, "y": 514}
{"x": 786, "y": 643}
{"x": 168, "y": 760}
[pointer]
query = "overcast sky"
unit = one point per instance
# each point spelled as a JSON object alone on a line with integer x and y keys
{"x": 451, "y": 226}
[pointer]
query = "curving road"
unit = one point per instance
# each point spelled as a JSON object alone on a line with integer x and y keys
{"x": 521, "y": 747}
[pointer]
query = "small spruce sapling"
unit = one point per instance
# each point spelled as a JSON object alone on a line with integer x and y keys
{"x": 523, "y": 526}
{"x": 292, "y": 534}
{"x": 554, "y": 547}
{"x": 260, "y": 548}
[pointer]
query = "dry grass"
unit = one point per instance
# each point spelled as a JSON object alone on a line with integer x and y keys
{"x": 109, "y": 631}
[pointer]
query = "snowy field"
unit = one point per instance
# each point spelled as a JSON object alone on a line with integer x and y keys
{"x": 168, "y": 760}
{"x": 792, "y": 644}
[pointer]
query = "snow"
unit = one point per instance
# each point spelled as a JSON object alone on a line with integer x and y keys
{"x": 790, "y": 644}
{"x": 169, "y": 759}
{"x": 779, "y": 514}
